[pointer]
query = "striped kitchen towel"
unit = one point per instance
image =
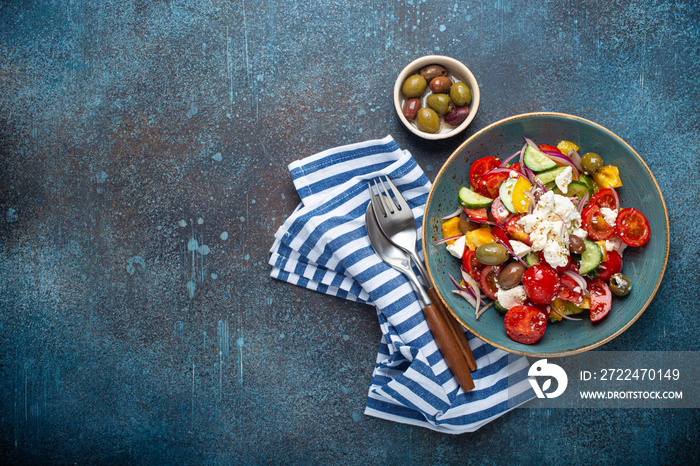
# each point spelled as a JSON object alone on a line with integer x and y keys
{"x": 323, "y": 246}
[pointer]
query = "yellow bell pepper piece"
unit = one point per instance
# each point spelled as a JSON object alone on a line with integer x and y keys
{"x": 602, "y": 248}
{"x": 451, "y": 228}
{"x": 520, "y": 201}
{"x": 567, "y": 308}
{"x": 566, "y": 146}
{"x": 476, "y": 238}
{"x": 608, "y": 177}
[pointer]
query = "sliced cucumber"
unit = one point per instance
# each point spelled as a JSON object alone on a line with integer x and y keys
{"x": 536, "y": 160}
{"x": 588, "y": 181}
{"x": 576, "y": 189}
{"x": 591, "y": 257}
{"x": 472, "y": 200}
{"x": 505, "y": 192}
{"x": 532, "y": 259}
{"x": 550, "y": 175}
{"x": 499, "y": 307}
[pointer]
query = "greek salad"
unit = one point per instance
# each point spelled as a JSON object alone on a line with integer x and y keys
{"x": 542, "y": 237}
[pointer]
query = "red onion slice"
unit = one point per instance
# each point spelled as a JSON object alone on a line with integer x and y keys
{"x": 505, "y": 170}
{"x": 456, "y": 283}
{"x": 444, "y": 240}
{"x": 478, "y": 313}
{"x": 453, "y": 214}
{"x": 506, "y": 161}
{"x": 469, "y": 298}
{"x": 573, "y": 155}
{"x": 469, "y": 280}
{"x": 582, "y": 203}
{"x": 580, "y": 281}
{"x": 565, "y": 317}
{"x": 617, "y": 199}
{"x": 565, "y": 161}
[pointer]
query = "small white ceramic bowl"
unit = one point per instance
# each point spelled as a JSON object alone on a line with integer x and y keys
{"x": 457, "y": 72}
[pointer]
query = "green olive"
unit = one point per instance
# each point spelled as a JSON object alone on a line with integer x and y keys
{"x": 460, "y": 94}
{"x": 620, "y": 284}
{"x": 441, "y": 103}
{"x": 465, "y": 224}
{"x": 428, "y": 121}
{"x": 591, "y": 163}
{"x": 491, "y": 254}
{"x": 414, "y": 86}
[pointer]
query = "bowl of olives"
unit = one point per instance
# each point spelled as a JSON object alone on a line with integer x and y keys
{"x": 436, "y": 97}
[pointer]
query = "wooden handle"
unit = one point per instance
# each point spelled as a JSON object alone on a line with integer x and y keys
{"x": 455, "y": 329}
{"x": 448, "y": 347}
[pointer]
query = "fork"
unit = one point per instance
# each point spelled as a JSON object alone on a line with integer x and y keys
{"x": 396, "y": 220}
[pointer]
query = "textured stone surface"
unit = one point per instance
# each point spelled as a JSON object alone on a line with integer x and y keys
{"x": 143, "y": 153}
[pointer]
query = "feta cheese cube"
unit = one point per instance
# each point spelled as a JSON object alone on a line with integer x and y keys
{"x": 513, "y": 297}
{"x": 520, "y": 249}
{"x": 609, "y": 215}
{"x": 457, "y": 248}
{"x": 563, "y": 179}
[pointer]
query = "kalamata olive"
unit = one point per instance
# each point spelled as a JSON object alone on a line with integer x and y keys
{"x": 414, "y": 86}
{"x": 466, "y": 225}
{"x": 441, "y": 103}
{"x": 460, "y": 94}
{"x": 410, "y": 108}
{"x": 440, "y": 84}
{"x": 432, "y": 71}
{"x": 428, "y": 120}
{"x": 620, "y": 284}
{"x": 491, "y": 254}
{"x": 456, "y": 116}
{"x": 511, "y": 275}
{"x": 576, "y": 245}
{"x": 591, "y": 163}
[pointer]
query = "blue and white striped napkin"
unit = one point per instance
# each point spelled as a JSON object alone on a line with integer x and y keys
{"x": 324, "y": 246}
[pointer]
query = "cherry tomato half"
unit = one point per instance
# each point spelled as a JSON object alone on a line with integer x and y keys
{"x": 605, "y": 198}
{"x": 490, "y": 183}
{"x": 632, "y": 227}
{"x": 489, "y": 274}
{"x": 517, "y": 167}
{"x": 610, "y": 266}
{"x": 525, "y": 324}
{"x": 499, "y": 211}
{"x": 570, "y": 290}
{"x": 498, "y": 232}
{"x": 547, "y": 147}
{"x": 541, "y": 283}
{"x": 601, "y": 299}
{"x": 594, "y": 223}
{"x": 480, "y": 167}
{"x": 471, "y": 264}
{"x": 479, "y": 215}
{"x": 516, "y": 231}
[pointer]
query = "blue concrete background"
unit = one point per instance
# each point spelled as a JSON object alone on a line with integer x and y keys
{"x": 143, "y": 153}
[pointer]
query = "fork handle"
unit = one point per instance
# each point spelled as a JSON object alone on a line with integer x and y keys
{"x": 450, "y": 351}
{"x": 455, "y": 329}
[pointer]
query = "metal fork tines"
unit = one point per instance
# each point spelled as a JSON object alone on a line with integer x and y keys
{"x": 396, "y": 220}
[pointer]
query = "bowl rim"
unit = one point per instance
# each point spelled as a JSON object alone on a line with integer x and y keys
{"x": 583, "y": 348}
{"x": 464, "y": 72}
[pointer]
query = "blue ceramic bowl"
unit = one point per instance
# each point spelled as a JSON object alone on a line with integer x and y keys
{"x": 645, "y": 265}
